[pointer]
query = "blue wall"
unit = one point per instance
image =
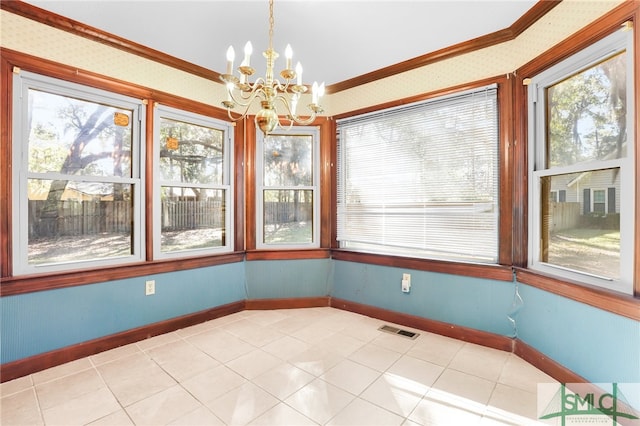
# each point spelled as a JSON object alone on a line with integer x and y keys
{"x": 471, "y": 302}
{"x": 600, "y": 346}
{"x": 39, "y": 322}
{"x": 269, "y": 279}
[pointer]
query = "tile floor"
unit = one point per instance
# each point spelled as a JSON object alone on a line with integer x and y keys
{"x": 316, "y": 366}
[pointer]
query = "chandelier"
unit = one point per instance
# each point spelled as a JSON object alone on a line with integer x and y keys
{"x": 269, "y": 91}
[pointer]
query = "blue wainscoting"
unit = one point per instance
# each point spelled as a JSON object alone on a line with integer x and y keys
{"x": 283, "y": 279}
{"x": 598, "y": 345}
{"x": 465, "y": 301}
{"x": 39, "y": 322}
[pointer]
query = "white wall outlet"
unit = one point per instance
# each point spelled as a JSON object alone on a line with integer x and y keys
{"x": 406, "y": 283}
{"x": 150, "y": 287}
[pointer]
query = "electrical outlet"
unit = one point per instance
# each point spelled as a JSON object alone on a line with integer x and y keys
{"x": 406, "y": 283}
{"x": 150, "y": 287}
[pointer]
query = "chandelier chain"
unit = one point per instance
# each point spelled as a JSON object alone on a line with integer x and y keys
{"x": 271, "y": 24}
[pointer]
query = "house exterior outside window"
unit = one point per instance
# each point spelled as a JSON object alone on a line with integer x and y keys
{"x": 580, "y": 125}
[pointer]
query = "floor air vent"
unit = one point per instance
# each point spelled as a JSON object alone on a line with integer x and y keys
{"x": 398, "y": 331}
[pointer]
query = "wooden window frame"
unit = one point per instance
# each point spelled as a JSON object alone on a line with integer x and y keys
{"x": 12, "y": 61}
{"x": 621, "y": 304}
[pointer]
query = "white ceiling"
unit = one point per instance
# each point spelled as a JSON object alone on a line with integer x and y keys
{"x": 334, "y": 40}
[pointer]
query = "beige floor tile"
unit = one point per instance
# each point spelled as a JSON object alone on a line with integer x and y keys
{"x": 480, "y": 361}
{"x": 335, "y": 320}
{"x": 182, "y": 360}
{"x": 20, "y": 408}
{"x": 163, "y": 407}
{"x": 456, "y": 387}
{"x": 114, "y": 354}
{"x": 135, "y": 378}
{"x": 243, "y": 404}
{"x": 82, "y": 410}
{"x": 267, "y": 318}
{"x": 119, "y": 418}
{"x": 520, "y": 374}
{"x": 374, "y": 356}
{"x": 312, "y": 333}
{"x": 160, "y": 340}
{"x": 435, "y": 348}
{"x": 420, "y": 372}
{"x": 197, "y": 329}
{"x": 341, "y": 344}
{"x": 212, "y": 384}
{"x": 283, "y": 380}
{"x": 351, "y": 376}
{"x": 201, "y": 416}
{"x": 490, "y": 419}
{"x": 69, "y": 387}
{"x": 364, "y": 328}
{"x": 394, "y": 342}
{"x": 319, "y": 400}
{"x": 282, "y": 414}
{"x": 253, "y": 333}
{"x": 221, "y": 345}
{"x": 360, "y": 412}
{"x": 513, "y": 402}
{"x": 438, "y": 413}
{"x": 15, "y": 386}
{"x": 61, "y": 371}
{"x": 316, "y": 360}
{"x": 286, "y": 347}
{"x": 290, "y": 325}
{"x": 395, "y": 394}
{"x": 254, "y": 363}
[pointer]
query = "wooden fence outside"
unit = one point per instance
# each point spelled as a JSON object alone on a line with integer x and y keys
{"x": 76, "y": 217}
{"x": 286, "y": 212}
{"x": 564, "y": 216}
{"x": 191, "y": 214}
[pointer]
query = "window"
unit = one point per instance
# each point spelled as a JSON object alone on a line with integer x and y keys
{"x": 287, "y": 179}
{"x": 77, "y": 186}
{"x": 422, "y": 180}
{"x": 599, "y": 201}
{"x": 580, "y": 116}
{"x": 192, "y": 190}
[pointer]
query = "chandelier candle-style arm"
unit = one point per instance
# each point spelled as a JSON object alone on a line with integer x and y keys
{"x": 270, "y": 91}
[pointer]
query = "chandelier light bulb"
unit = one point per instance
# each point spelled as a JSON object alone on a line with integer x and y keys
{"x": 248, "y": 50}
{"x": 299, "y": 74}
{"x": 288, "y": 53}
{"x": 231, "y": 55}
{"x": 314, "y": 93}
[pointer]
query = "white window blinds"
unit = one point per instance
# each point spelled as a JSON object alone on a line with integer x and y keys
{"x": 422, "y": 180}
